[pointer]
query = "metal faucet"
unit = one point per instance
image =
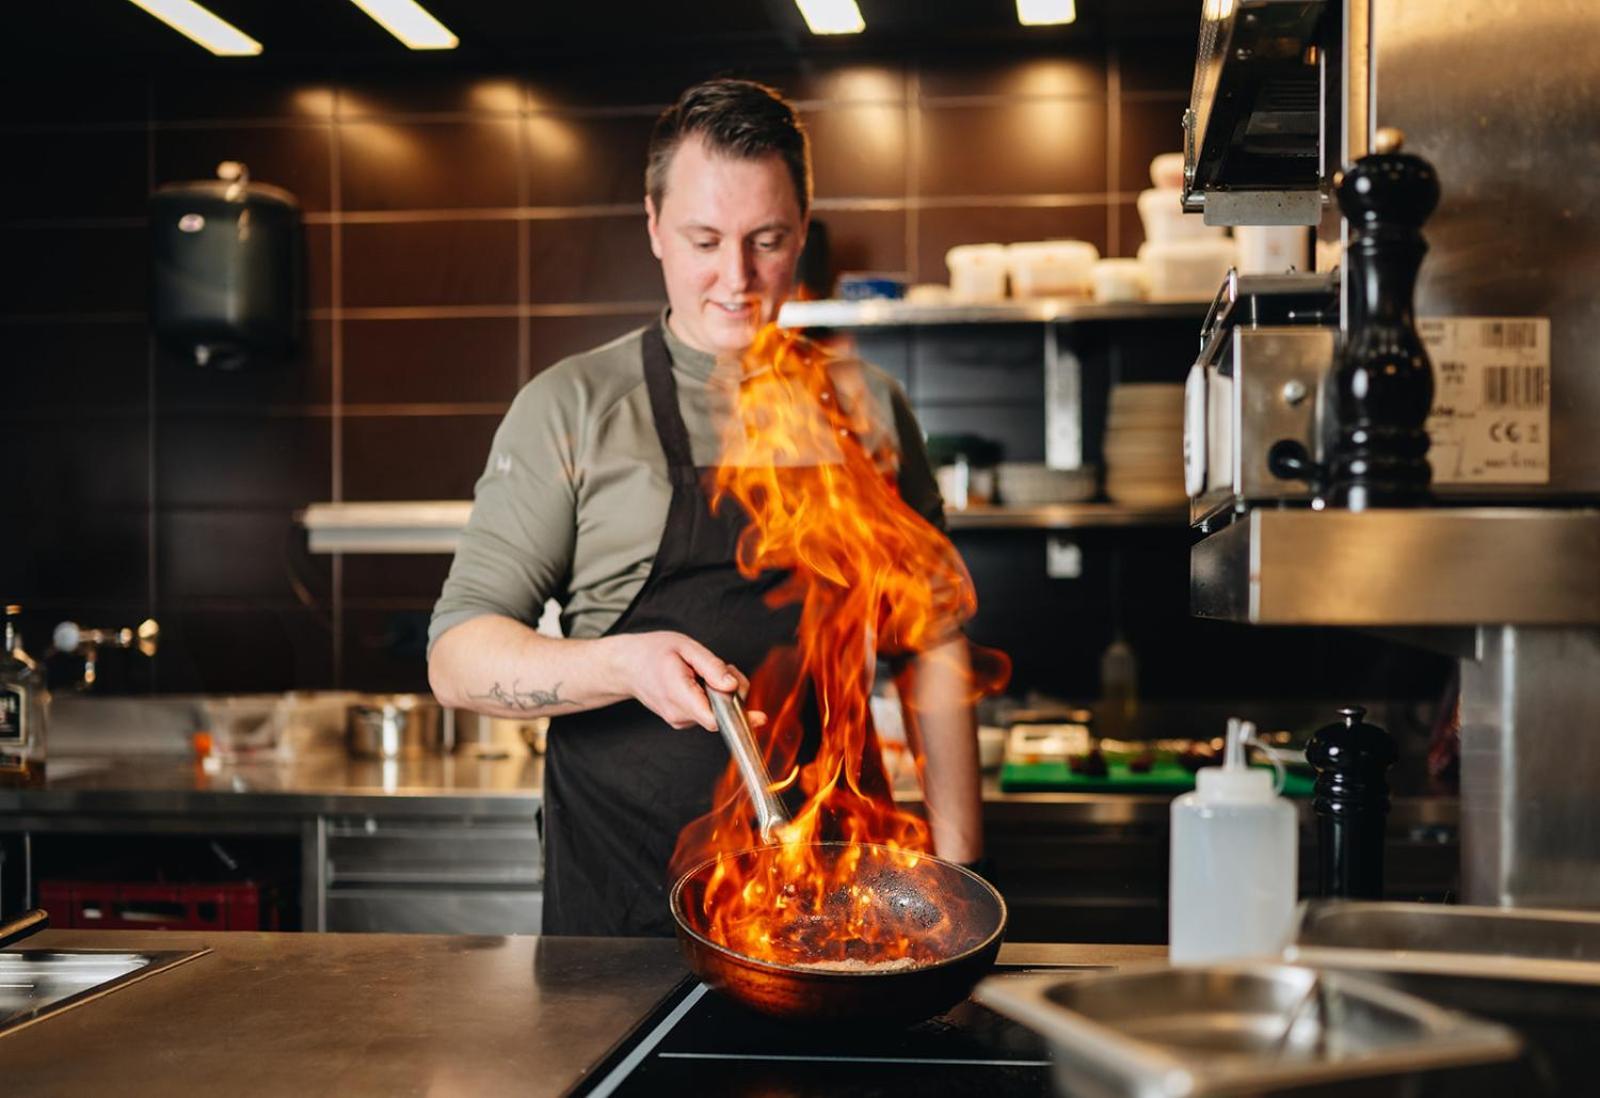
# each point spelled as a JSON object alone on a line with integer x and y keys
{"x": 71, "y": 638}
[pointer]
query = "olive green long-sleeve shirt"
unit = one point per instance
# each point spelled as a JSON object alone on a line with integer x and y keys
{"x": 573, "y": 499}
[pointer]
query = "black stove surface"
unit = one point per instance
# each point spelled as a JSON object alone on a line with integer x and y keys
{"x": 703, "y": 1044}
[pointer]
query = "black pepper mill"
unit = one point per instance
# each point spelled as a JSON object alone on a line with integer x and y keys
{"x": 1352, "y": 759}
{"x": 1383, "y": 382}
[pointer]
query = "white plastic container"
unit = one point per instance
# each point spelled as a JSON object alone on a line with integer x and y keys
{"x": 1233, "y": 867}
{"x": 977, "y": 272}
{"x": 1187, "y": 270}
{"x": 1272, "y": 249}
{"x": 1051, "y": 268}
{"x": 1166, "y": 170}
{"x": 1119, "y": 280}
{"x": 1161, "y": 214}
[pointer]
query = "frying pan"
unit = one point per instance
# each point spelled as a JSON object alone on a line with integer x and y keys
{"x": 911, "y": 899}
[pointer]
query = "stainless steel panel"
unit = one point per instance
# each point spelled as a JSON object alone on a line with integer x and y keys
{"x": 480, "y": 852}
{"x": 1502, "y": 97}
{"x": 435, "y": 911}
{"x": 1530, "y": 817}
{"x": 1491, "y": 943}
{"x": 1236, "y": 1028}
{"x": 1267, "y": 362}
{"x": 1427, "y": 567}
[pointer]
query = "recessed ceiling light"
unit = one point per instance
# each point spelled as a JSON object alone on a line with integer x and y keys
{"x": 1046, "y": 13}
{"x": 199, "y": 25}
{"x": 410, "y": 22}
{"x": 832, "y": 16}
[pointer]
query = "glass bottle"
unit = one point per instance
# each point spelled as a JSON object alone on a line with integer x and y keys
{"x": 24, "y": 710}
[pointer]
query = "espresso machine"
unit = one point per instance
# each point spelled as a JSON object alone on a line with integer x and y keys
{"x": 1407, "y": 440}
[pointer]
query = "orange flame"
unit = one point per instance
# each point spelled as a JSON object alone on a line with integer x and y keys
{"x": 817, "y": 477}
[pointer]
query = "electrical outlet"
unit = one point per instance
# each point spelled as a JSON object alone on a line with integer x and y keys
{"x": 1063, "y": 559}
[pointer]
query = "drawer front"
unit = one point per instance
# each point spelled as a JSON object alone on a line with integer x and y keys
{"x": 456, "y": 853}
{"x": 434, "y": 911}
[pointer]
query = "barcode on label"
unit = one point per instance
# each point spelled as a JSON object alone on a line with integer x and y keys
{"x": 1511, "y": 335}
{"x": 1515, "y": 386}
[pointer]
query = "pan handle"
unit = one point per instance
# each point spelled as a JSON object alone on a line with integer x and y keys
{"x": 735, "y": 730}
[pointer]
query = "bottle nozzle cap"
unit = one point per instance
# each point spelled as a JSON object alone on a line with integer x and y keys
{"x": 1245, "y": 784}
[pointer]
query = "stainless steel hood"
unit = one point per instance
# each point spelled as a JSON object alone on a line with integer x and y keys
{"x": 1253, "y": 134}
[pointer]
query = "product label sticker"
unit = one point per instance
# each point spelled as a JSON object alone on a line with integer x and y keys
{"x": 12, "y": 710}
{"x": 1490, "y": 422}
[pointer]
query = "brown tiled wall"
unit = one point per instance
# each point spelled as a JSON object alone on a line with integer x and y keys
{"x": 463, "y": 233}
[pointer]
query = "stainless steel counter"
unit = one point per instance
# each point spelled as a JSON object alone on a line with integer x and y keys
{"x": 333, "y": 784}
{"x": 313, "y": 1015}
{"x": 325, "y": 783}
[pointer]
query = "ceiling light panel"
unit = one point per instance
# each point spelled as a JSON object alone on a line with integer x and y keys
{"x": 1046, "y": 13}
{"x": 410, "y": 22}
{"x": 832, "y": 16}
{"x": 204, "y": 27}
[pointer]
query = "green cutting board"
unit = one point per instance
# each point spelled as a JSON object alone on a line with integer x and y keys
{"x": 1165, "y": 776}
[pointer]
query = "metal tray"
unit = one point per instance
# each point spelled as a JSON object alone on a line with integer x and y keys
{"x": 1165, "y": 1032}
{"x": 36, "y": 983}
{"x": 1485, "y": 942}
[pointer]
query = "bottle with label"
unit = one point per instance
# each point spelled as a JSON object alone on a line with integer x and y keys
{"x": 1234, "y": 852}
{"x": 24, "y": 710}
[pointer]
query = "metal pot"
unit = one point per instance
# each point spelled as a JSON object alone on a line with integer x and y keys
{"x": 488, "y": 737}
{"x": 397, "y": 726}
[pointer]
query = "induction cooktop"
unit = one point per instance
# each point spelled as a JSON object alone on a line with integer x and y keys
{"x": 698, "y": 1042}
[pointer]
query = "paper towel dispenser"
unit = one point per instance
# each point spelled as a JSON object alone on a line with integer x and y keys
{"x": 228, "y": 259}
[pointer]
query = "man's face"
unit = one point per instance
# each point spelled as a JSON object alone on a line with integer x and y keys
{"x": 728, "y": 234}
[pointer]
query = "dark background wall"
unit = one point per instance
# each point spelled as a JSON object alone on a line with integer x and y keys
{"x": 466, "y": 229}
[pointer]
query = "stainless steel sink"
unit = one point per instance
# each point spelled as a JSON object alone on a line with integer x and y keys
{"x": 35, "y": 984}
{"x": 1250, "y": 1027}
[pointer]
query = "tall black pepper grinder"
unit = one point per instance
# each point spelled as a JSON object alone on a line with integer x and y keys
{"x": 1352, "y": 759}
{"x": 1383, "y": 382}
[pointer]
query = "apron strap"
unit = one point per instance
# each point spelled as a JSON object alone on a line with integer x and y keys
{"x": 664, "y": 409}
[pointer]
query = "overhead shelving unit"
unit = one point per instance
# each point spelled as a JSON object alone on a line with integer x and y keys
{"x": 889, "y": 314}
{"x": 434, "y": 526}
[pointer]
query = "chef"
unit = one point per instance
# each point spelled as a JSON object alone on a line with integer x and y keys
{"x": 595, "y": 495}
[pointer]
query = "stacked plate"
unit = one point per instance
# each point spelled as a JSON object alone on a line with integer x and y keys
{"x": 1144, "y": 445}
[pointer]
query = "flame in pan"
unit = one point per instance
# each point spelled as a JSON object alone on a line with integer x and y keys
{"x": 813, "y": 462}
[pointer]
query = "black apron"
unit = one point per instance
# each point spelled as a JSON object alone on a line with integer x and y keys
{"x": 619, "y": 782}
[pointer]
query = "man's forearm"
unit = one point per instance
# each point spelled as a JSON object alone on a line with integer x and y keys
{"x": 937, "y": 691}
{"x": 499, "y": 666}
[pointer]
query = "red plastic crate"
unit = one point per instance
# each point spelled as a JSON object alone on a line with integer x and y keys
{"x": 99, "y": 905}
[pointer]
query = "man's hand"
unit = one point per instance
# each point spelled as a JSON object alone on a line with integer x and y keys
{"x": 664, "y": 672}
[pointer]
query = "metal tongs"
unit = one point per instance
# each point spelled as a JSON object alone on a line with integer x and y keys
{"x": 735, "y": 729}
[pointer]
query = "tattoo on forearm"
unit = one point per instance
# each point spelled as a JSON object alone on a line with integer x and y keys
{"x": 518, "y": 698}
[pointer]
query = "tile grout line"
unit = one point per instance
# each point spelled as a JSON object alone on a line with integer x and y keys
{"x": 336, "y": 382}
{"x": 152, "y": 488}
{"x": 1114, "y": 130}
{"x": 524, "y": 241}
{"x": 913, "y": 90}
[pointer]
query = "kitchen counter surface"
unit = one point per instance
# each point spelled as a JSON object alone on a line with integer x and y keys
{"x": 312, "y": 1015}
{"x": 331, "y": 783}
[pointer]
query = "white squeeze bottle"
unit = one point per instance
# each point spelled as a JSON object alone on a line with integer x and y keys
{"x": 1233, "y": 874}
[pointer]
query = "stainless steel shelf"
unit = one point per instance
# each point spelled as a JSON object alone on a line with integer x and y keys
{"x": 434, "y": 526}
{"x": 422, "y": 526}
{"x": 1064, "y": 516}
{"x": 886, "y": 314}
{"x": 1441, "y": 566}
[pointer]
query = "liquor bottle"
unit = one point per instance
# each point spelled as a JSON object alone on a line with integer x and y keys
{"x": 24, "y": 710}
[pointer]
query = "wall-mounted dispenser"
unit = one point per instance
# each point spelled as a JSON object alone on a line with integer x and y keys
{"x": 228, "y": 259}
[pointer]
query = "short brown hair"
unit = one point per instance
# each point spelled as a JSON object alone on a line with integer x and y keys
{"x": 738, "y": 118}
